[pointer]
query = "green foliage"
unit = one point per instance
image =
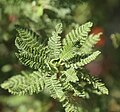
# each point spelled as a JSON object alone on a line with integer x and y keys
{"x": 84, "y": 61}
{"x": 27, "y": 83}
{"x": 58, "y": 72}
{"x": 96, "y": 85}
{"x": 89, "y": 43}
{"x": 54, "y": 87}
{"x": 67, "y": 52}
{"x": 71, "y": 75}
{"x": 25, "y": 104}
{"x": 72, "y": 105}
{"x": 116, "y": 40}
{"x": 54, "y": 43}
{"x": 79, "y": 34}
{"x": 30, "y": 52}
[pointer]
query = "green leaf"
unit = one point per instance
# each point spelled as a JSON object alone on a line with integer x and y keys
{"x": 72, "y": 104}
{"x": 79, "y": 34}
{"x": 27, "y": 83}
{"x": 96, "y": 86}
{"x": 54, "y": 43}
{"x": 35, "y": 61}
{"x": 67, "y": 52}
{"x": 71, "y": 75}
{"x": 54, "y": 87}
{"x": 31, "y": 51}
{"x": 27, "y": 39}
{"x": 83, "y": 62}
{"x": 89, "y": 43}
{"x": 100, "y": 88}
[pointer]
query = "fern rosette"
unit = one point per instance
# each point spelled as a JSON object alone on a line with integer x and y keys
{"x": 59, "y": 66}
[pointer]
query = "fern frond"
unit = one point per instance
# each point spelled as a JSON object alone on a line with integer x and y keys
{"x": 64, "y": 77}
{"x": 96, "y": 85}
{"x": 27, "y": 83}
{"x": 24, "y": 46}
{"x": 99, "y": 87}
{"x": 33, "y": 60}
{"x": 67, "y": 53}
{"x": 27, "y": 40}
{"x": 54, "y": 87}
{"x": 87, "y": 60}
{"x": 81, "y": 93}
{"x": 31, "y": 51}
{"x": 66, "y": 85}
{"x": 71, "y": 75}
{"x": 79, "y": 89}
{"x": 54, "y": 43}
{"x": 72, "y": 104}
{"x": 88, "y": 45}
{"x": 79, "y": 34}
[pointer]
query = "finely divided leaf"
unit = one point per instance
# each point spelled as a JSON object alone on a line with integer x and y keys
{"x": 54, "y": 43}
{"x": 27, "y": 83}
{"x": 67, "y": 52}
{"x": 71, "y": 75}
{"x": 54, "y": 87}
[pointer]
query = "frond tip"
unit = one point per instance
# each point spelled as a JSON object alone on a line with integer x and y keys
{"x": 79, "y": 34}
{"x": 89, "y": 43}
{"x": 54, "y": 43}
{"x": 83, "y": 62}
{"x": 99, "y": 87}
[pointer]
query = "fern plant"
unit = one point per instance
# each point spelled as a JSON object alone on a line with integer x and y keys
{"x": 58, "y": 66}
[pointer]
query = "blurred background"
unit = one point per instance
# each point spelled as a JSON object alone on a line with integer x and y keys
{"x": 41, "y": 16}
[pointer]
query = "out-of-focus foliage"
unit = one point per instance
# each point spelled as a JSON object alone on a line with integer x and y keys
{"x": 82, "y": 12}
{"x": 116, "y": 40}
{"x": 24, "y": 104}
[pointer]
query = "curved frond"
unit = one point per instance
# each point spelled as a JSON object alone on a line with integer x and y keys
{"x": 72, "y": 104}
{"x": 88, "y": 45}
{"x": 32, "y": 60}
{"x": 27, "y": 40}
{"x": 115, "y": 39}
{"x": 24, "y": 46}
{"x": 27, "y": 83}
{"x": 79, "y": 34}
{"x": 96, "y": 86}
{"x": 86, "y": 60}
{"x": 99, "y": 87}
{"x": 54, "y": 87}
{"x": 54, "y": 43}
{"x": 31, "y": 52}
